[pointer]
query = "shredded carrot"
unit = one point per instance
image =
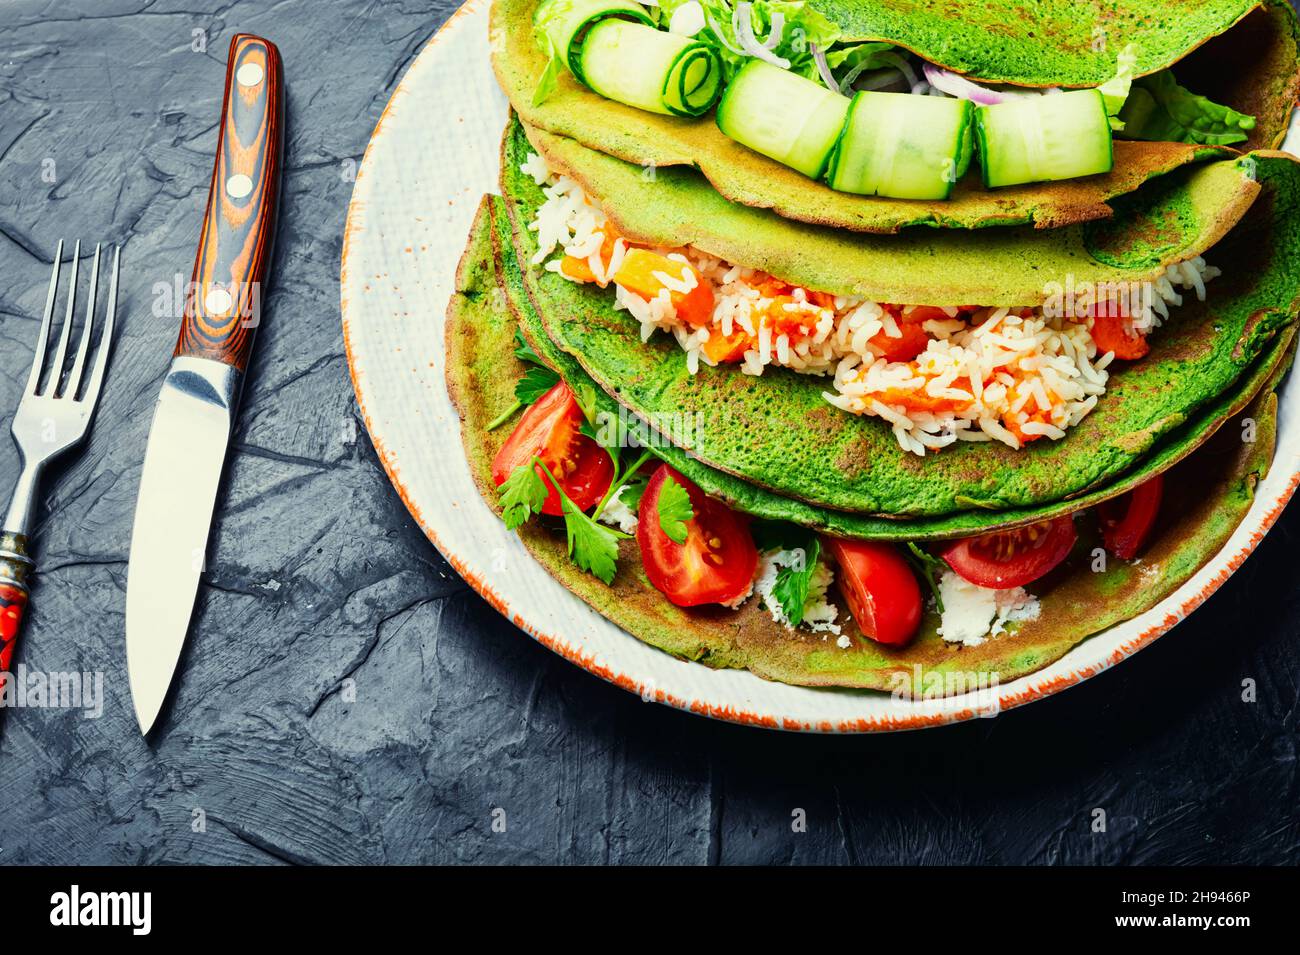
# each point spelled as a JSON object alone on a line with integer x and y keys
{"x": 785, "y": 323}
{"x": 921, "y": 313}
{"x": 914, "y": 340}
{"x": 768, "y": 286}
{"x": 919, "y": 400}
{"x": 637, "y": 274}
{"x": 576, "y": 269}
{"x": 771, "y": 287}
{"x": 580, "y": 269}
{"x": 725, "y": 348}
{"x": 1031, "y": 411}
{"x": 1110, "y": 334}
{"x": 1014, "y": 427}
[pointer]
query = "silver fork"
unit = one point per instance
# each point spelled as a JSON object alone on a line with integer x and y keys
{"x": 47, "y": 423}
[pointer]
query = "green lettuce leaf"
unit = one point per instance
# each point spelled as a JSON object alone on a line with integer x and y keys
{"x": 1116, "y": 89}
{"x": 861, "y": 57}
{"x": 1160, "y": 110}
{"x": 802, "y": 27}
{"x": 550, "y": 79}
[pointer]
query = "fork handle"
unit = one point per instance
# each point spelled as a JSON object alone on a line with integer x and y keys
{"x": 15, "y": 565}
{"x": 223, "y": 306}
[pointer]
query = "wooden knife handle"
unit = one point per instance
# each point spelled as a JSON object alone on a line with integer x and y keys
{"x": 223, "y": 306}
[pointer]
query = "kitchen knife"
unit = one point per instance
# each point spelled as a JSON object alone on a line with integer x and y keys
{"x": 195, "y": 411}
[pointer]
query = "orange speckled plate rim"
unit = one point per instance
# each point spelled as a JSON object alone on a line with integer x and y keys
{"x": 1091, "y": 657}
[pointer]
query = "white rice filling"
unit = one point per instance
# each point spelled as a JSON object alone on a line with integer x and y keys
{"x": 997, "y": 374}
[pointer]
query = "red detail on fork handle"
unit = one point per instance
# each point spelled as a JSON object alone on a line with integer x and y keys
{"x": 13, "y": 602}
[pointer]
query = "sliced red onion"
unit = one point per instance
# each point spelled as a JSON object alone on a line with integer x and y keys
{"x": 903, "y": 66}
{"x": 819, "y": 57}
{"x": 744, "y": 27}
{"x": 722, "y": 37}
{"x": 778, "y": 29}
{"x": 852, "y": 75}
{"x": 688, "y": 19}
{"x": 959, "y": 86}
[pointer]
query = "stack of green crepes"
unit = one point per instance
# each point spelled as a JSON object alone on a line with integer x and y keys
{"x": 850, "y": 439}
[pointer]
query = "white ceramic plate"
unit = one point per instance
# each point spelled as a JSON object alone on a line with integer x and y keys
{"x": 433, "y": 154}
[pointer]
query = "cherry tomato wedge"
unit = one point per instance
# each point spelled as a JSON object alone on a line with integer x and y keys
{"x": 1110, "y": 334}
{"x": 1005, "y": 559}
{"x": 880, "y": 589}
{"x": 716, "y": 562}
{"x": 549, "y": 430}
{"x": 1126, "y": 521}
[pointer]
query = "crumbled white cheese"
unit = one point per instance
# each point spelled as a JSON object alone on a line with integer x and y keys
{"x": 972, "y": 614}
{"x": 735, "y": 604}
{"x": 819, "y": 614}
{"x": 617, "y": 514}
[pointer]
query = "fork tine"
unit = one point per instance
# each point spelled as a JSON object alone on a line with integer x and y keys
{"x": 66, "y": 332}
{"x": 79, "y": 363}
{"x": 105, "y": 339}
{"x": 38, "y": 362}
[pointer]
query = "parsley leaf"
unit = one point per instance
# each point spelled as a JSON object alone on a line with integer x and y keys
{"x": 930, "y": 568}
{"x": 630, "y": 493}
{"x": 674, "y": 506}
{"x": 627, "y": 479}
{"x": 792, "y": 583}
{"x": 535, "y": 383}
{"x": 504, "y": 416}
{"x": 593, "y": 546}
{"x": 585, "y": 395}
{"x": 524, "y": 351}
{"x": 606, "y": 431}
{"x": 522, "y": 495}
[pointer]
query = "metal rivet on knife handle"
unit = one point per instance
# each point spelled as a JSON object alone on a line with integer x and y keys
{"x": 235, "y": 244}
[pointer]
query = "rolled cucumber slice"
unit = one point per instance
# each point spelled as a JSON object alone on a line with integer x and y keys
{"x": 903, "y": 146}
{"x": 561, "y": 25}
{"x": 783, "y": 116}
{"x": 649, "y": 69}
{"x": 1044, "y": 138}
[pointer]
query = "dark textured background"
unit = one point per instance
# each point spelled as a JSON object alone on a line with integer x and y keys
{"x": 317, "y": 574}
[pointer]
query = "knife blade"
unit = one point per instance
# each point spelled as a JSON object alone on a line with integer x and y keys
{"x": 195, "y": 413}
